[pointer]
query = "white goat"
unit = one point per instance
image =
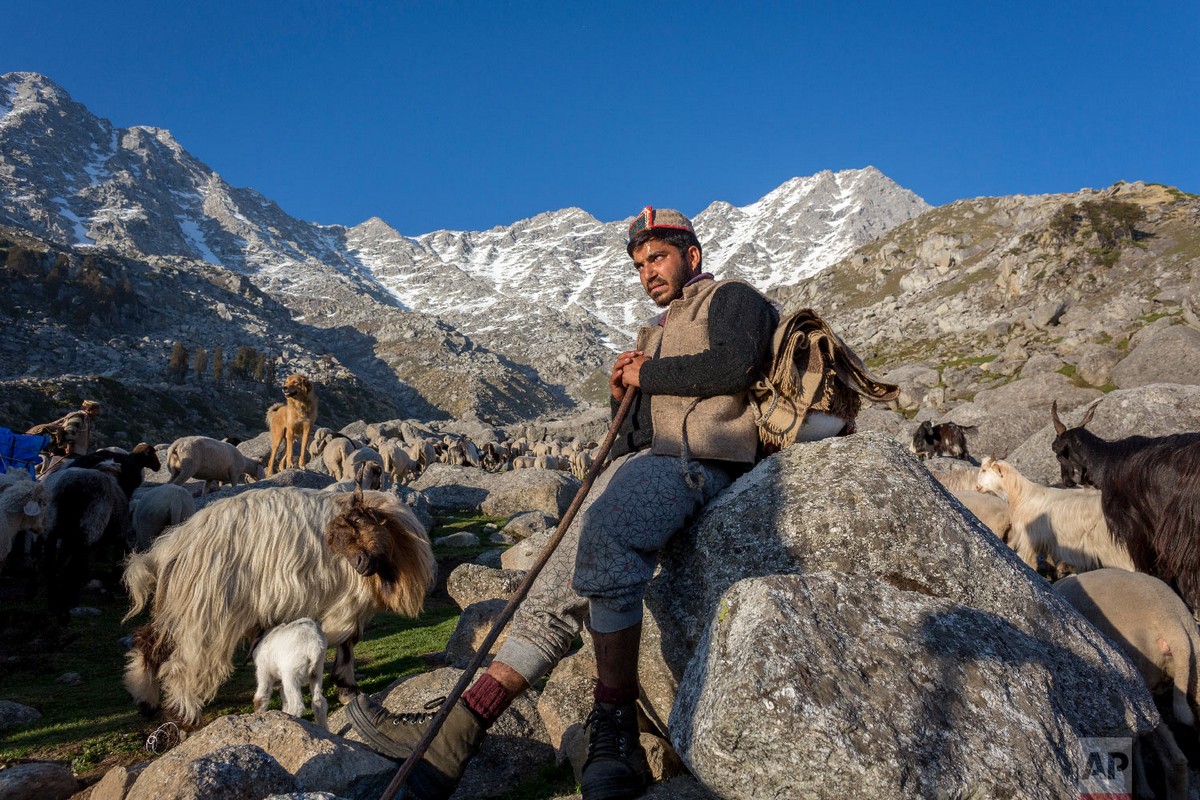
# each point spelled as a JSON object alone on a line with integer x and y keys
{"x": 290, "y": 656}
{"x": 22, "y": 505}
{"x": 1066, "y": 525}
{"x": 158, "y": 508}
{"x": 208, "y": 459}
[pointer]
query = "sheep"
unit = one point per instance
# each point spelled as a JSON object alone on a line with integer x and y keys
{"x": 289, "y": 656}
{"x": 336, "y": 455}
{"x": 335, "y": 557}
{"x": 365, "y": 468}
{"x": 1147, "y": 620}
{"x": 1065, "y": 524}
{"x": 320, "y": 438}
{"x": 85, "y": 508}
{"x": 159, "y": 508}
{"x": 546, "y": 462}
{"x": 396, "y": 461}
{"x": 1150, "y": 494}
{"x": 127, "y": 466}
{"x": 22, "y": 506}
{"x": 209, "y": 460}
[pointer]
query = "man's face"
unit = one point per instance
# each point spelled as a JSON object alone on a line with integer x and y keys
{"x": 663, "y": 269}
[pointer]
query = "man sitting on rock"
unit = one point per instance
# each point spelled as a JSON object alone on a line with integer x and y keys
{"x": 689, "y": 433}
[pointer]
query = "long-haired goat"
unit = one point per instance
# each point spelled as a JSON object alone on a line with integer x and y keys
{"x": 248, "y": 563}
{"x": 1150, "y": 494}
{"x": 292, "y": 656}
{"x": 1066, "y": 525}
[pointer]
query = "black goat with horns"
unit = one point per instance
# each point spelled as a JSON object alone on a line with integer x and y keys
{"x": 1149, "y": 491}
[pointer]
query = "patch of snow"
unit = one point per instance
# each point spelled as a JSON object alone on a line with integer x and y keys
{"x": 192, "y": 232}
{"x": 64, "y": 210}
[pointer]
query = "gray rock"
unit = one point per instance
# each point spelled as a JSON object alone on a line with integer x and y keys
{"x": 918, "y": 385}
{"x": 894, "y": 693}
{"x": 233, "y": 772}
{"x": 318, "y": 760}
{"x": 1094, "y": 363}
{"x": 41, "y": 780}
{"x": 70, "y": 679}
{"x": 880, "y": 515}
{"x": 1150, "y": 330}
{"x": 1154, "y": 410}
{"x": 523, "y": 554}
{"x": 1036, "y": 393}
{"x": 472, "y": 583}
{"x": 14, "y": 714}
{"x": 474, "y": 625}
{"x": 460, "y": 539}
{"x": 522, "y": 526}
{"x": 116, "y": 783}
{"x": 497, "y": 494}
{"x": 490, "y": 558}
{"x": 1168, "y": 356}
{"x": 1047, "y": 314}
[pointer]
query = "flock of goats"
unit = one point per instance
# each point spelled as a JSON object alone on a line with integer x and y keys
{"x": 1125, "y": 520}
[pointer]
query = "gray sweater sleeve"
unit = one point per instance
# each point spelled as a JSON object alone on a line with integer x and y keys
{"x": 740, "y": 325}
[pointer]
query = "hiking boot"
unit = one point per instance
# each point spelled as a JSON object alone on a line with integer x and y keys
{"x": 616, "y": 766}
{"x": 396, "y": 735}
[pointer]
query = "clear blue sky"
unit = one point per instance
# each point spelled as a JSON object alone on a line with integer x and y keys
{"x": 470, "y": 115}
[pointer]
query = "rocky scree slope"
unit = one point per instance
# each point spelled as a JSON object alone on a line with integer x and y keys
{"x": 1048, "y": 295}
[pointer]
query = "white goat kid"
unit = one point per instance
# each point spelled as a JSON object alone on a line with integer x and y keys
{"x": 290, "y": 656}
{"x": 1066, "y": 525}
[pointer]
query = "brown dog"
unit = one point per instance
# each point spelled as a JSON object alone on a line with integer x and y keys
{"x": 296, "y": 415}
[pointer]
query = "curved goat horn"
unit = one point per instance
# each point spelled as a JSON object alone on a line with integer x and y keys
{"x": 1059, "y": 428}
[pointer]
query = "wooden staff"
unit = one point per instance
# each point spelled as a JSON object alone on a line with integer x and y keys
{"x": 514, "y": 602}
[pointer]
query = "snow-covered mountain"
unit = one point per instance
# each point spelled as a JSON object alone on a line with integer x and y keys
{"x": 71, "y": 177}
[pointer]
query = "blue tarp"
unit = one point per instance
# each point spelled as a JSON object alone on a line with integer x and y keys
{"x": 20, "y": 450}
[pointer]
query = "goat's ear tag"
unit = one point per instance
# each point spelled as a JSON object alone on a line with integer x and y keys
{"x": 32, "y": 509}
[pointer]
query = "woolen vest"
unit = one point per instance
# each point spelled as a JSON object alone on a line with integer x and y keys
{"x": 721, "y": 427}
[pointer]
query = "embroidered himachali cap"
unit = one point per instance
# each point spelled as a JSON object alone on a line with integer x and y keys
{"x": 90, "y": 405}
{"x": 650, "y": 219}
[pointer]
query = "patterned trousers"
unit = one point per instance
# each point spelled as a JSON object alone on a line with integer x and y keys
{"x": 607, "y": 557}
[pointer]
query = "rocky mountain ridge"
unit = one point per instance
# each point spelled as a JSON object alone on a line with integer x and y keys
{"x": 74, "y": 180}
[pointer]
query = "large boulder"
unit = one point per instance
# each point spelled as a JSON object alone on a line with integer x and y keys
{"x": 893, "y": 693}
{"x": 1154, "y": 410}
{"x": 232, "y": 772}
{"x": 1171, "y": 355}
{"x": 1035, "y": 392}
{"x": 41, "y": 779}
{"x": 316, "y": 760}
{"x": 863, "y": 506}
{"x": 503, "y": 494}
{"x": 997, "y": 430}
